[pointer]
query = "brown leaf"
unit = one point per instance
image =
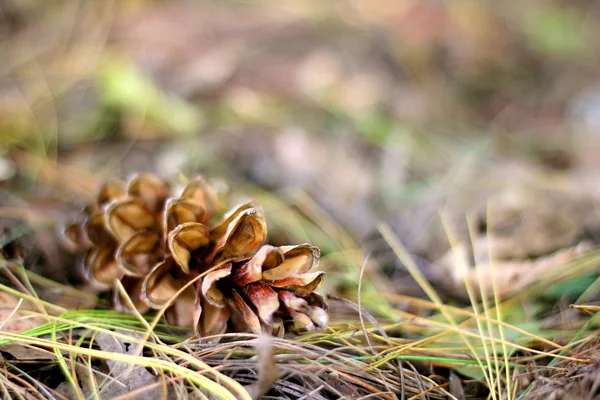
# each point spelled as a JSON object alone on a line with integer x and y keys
{"x": 456, "y": 386}
{"x": 510, "y": 276}
{"x": 128, "y": 216}
{"x": 23, "y": 352}
{"x": 184, "y": 239}
{"x": 125, "y": 378}
{"x": 18, "y": 321}
{"x": 264, "y": 299}
{"x": 297, "y": 260}
{"x": 138, "y": 254}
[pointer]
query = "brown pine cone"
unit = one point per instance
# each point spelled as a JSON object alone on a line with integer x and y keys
{"x": 156, "y": 244}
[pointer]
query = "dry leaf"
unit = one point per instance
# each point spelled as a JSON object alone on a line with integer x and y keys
{"x": 16, "y": 321}
{"x": 511, "y": 277}
{"x": 23, "y": 352}
{"x": 127, "y": 377}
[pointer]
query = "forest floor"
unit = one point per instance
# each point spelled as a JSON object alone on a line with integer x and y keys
{"x": 442, "y": 155}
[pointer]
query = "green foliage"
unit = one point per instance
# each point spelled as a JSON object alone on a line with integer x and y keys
{"x": 124, "y": 87}
{"x": 556, "y": 31}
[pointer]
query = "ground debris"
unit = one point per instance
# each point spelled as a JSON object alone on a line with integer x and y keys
{"x": 572, "y": 381}
{"x": 13, "y": 317}
{"x": 122, "y": 380}
{"x": 127, "y": 377}
{"x": 22, "y": 352}
{"x": 584, "y": 385}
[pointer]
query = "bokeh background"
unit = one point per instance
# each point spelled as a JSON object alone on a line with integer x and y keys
{"x": 361, "y": 111}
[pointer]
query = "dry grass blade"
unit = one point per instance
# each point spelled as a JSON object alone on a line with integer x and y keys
{"x": 420, "y": 279}
{"x": 499, "y": 382}
{"x": 187, "y": 373}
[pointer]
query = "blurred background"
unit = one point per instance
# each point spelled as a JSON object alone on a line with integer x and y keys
{"x": 352, "y": 113}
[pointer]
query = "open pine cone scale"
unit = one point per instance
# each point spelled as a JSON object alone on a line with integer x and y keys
{"x": 155, "y": 242}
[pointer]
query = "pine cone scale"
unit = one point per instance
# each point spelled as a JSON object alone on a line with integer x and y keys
{"x": 296, "y": 260}
{"x": 161, "y": 284}
{"x": 300, "y": 285}
{"x": 138, "y": 253}
{"x": 185, "y": 239}
{"x": 209, "y": 289}
{"x": 248, "y": 315}
{"x": 264, "y": 299}
{"x": 248, "y": 272}
{"x": 126, "y": 217}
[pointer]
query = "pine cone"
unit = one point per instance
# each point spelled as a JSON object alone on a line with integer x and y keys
{"x": 155, "y": 244}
